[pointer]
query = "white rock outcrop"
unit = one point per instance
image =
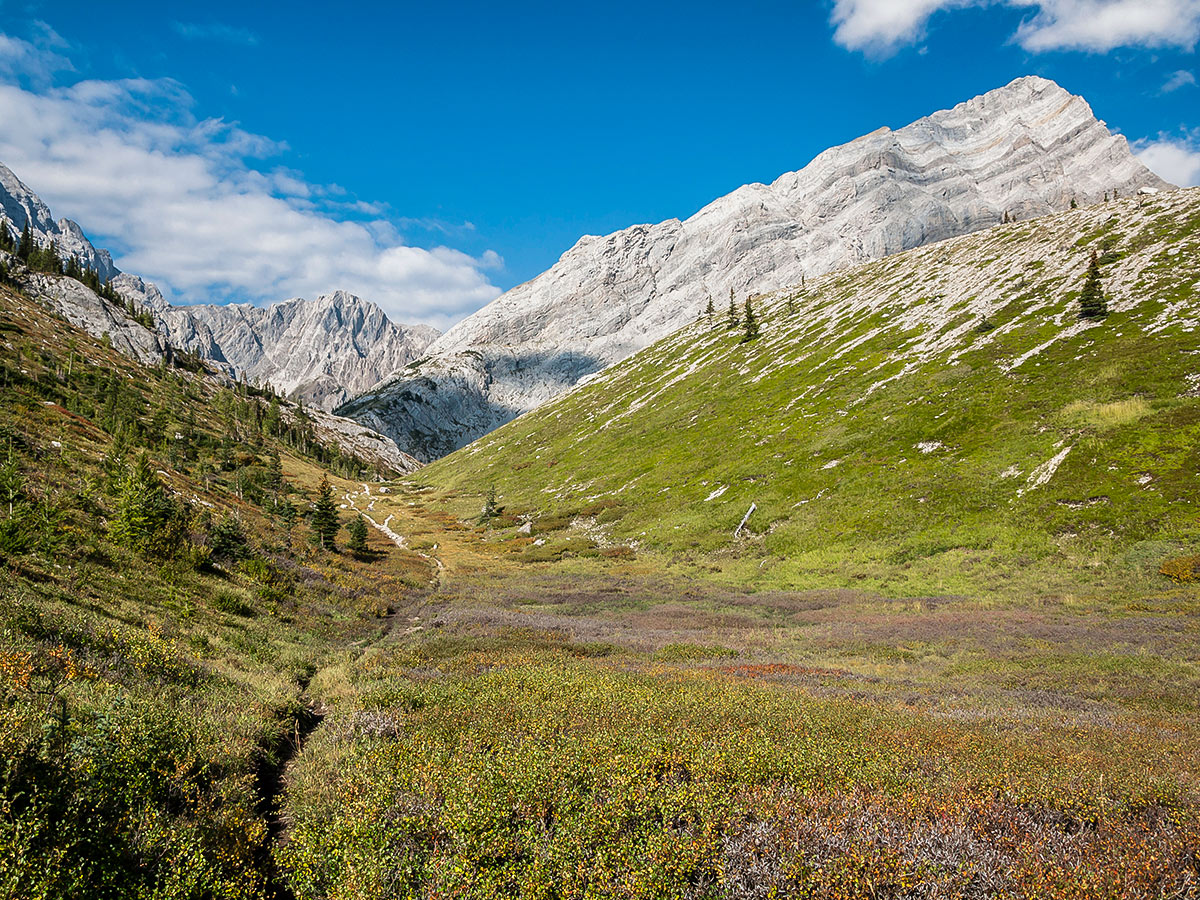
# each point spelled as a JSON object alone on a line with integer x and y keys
{"x": 89, "y": 312}
{"x": 318, "y": 351}
{"x": 357, "y": 440}
{"x": 1023, "y": 150}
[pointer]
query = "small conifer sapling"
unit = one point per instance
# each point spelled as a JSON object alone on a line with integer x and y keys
{"x": 1092, "y": 302}
{"x": 357, "y": 530}
{"x": 751, "y": 323}
{"x": 325, "y": 522}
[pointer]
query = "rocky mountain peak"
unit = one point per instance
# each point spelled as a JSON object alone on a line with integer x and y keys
{"x": 1023, "y": 150}
{"x": 21, "y": 206}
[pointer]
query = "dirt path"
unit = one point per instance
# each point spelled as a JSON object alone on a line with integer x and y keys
{"x": 385, "y": 529}
{"x": 270, "y": 780}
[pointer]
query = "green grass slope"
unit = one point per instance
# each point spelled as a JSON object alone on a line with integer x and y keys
{"x": 161, "y": 612}
{"x": 938, "y": 421}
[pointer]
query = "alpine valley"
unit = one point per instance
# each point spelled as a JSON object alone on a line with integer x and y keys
{"x": 837, "y": 541}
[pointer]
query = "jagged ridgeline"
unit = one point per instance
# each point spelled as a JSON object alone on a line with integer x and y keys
{"x": 944, "y": 419}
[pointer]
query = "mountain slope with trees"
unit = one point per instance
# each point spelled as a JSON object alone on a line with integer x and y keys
{"x": 165, "y": 595}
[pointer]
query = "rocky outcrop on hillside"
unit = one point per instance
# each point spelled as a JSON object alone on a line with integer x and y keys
{"x": 318, "y": 351}
{"x": 1021, "y": 151}
{"x": 357, "y": 440}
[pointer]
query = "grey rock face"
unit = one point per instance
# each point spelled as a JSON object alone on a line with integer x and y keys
{"x": 86, "y": 310}
{"x": 1023, "y": 150}
{"x": 20, "y": 205}
{"x": 318, "y": 351}
{"x": 358, "y": 440}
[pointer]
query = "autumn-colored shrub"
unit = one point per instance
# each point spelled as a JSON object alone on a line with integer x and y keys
{"x": 1182, "y": 569}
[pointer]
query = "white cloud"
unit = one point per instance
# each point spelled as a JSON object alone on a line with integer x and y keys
{"x": 1102, "y": 25}
{"x": 1180, "y": 79}
{"x": 1175, "y": 159}
{"x": 881, "y": 26}
{"x": 178, "y": 201}
{"x": 32, "y": 63}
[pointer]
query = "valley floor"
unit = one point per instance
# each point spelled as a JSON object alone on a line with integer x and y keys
{"x": 598, "y": 727}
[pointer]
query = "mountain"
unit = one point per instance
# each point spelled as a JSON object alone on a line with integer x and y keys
{"x": 1021, "y": 151}
{"x": 942, "y": 420}
{"x": 20, "y": 205}
{"x": 319, "y": 351}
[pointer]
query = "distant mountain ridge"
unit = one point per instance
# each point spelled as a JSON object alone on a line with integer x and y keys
{"x": 319, "y": 351}
{"x": 1020, "y": 151}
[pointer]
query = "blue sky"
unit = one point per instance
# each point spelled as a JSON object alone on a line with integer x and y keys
{"x": 430, "y": 157}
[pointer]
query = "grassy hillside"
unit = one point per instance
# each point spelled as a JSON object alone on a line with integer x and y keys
{"x": 937, "y": 422}
{"x": 161, "y": 612}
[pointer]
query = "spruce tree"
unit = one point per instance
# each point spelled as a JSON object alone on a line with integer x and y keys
{"x": 6, "y": 238}
{"x": 710, "y": 311}
{"x": 325, "y": 522}
{"x": 26, "y": 246}
{"x": 733, "y": 316}
{"x": 751, "y": 323}
{"x": 1092, "y": 303}
{"x": 357, "y": 529}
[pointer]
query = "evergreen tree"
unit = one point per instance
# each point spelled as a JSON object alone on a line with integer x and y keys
{"x": 1092, "y": 303}
{"x": 710, "y": 311}
{"x": 147, "y": 519}
{"x": 1074, "y": 204}
{"x": 287, "y": 514}
{"x": 733, "y": 316}
{"x": 26, "y": 246}
{"x": 325, "y": 522}
{"x": 6, "y": 238}
{"x": 357, "y": 529}
{"x": 228, "y": 539}
{"x": 490, "y": 507}
{"x": 751, "y": 323}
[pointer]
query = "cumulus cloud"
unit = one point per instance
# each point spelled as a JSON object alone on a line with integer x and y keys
{"x": 191, "y": 204}
{"x": 881, "y": 26}
{"x": 1177, "y": 159}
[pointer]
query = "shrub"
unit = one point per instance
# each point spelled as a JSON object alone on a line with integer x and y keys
{"x": 1181, "y": 570}
{"x": 229, "y": 602}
